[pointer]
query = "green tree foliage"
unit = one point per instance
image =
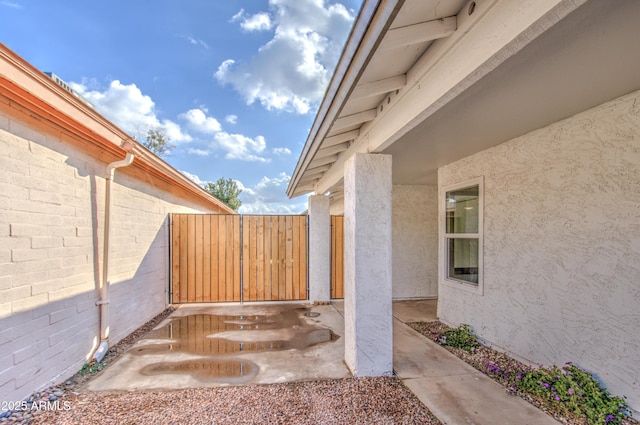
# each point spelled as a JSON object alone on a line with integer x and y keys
{"x": 226, "y": 190}
{"x": 157, "y": 141}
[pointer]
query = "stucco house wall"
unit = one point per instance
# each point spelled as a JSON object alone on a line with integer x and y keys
{"x": 561, "y": 245}
{"x": 415, "y": 241}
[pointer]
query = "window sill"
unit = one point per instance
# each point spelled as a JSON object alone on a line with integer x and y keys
{"x": 465, "y": 286}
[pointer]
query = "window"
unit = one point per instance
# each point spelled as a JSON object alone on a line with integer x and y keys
{"x": 463, "y": 234}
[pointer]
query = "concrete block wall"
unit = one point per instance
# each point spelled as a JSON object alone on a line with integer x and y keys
{"x": 51, "y": 232}
{"x": 561, "y": 245}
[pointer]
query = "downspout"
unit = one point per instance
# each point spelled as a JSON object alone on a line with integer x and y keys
{"x": 103, "y": 302}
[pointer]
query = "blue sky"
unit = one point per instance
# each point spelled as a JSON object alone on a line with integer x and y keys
{"x": 235, "y": 84}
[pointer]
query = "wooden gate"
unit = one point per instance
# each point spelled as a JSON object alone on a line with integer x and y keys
{"x": 337, "y": 256}
{"x": 222, "y": 258}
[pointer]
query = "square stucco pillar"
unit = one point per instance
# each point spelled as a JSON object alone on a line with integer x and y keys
{"x": 319, "y": 249}
{"x": 367, "y": 265}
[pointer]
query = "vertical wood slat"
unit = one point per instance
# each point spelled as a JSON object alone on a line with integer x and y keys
{"x": 199, "y": 257}
{"x": 302, "y": 264}
{"x": 295, "y": 259}
{"x": 213, "y": 254}
{"x": 222, "y": 258}
{"x": 206, "y": 258}
{"x": 175, "y": 259}
{"x": 260, "y": 242}
{"x": 274, "y": 258}
{"x": 266, "y": 235}
{"x": 237, "y": 276}
{"x": 215, "y": 259}
{"x": 337, "y": 257}
{"x": 247, "y": 228}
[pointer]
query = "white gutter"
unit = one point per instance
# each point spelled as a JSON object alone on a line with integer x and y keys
{"x": 103, "y": 302}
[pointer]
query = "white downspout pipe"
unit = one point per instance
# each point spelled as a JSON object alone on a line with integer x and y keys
{"x": 103, "y": 302}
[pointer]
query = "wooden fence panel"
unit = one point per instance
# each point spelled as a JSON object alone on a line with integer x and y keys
{"x": 337, "y": 256}
{"x": 222, "y": 258}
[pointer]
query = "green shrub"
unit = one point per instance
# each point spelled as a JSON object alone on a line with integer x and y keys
{"x": 576, "y": 392}
{"x": 460, "y": 337}
{"x": 91, "y": 368}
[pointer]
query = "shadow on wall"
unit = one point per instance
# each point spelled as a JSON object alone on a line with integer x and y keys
{"x": 49, "y": 343}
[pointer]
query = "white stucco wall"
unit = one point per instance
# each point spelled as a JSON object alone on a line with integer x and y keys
{"x": 415, "y": 241}
{"x": 368, "y": 321}
{"x": 320, "y": 254}
{"x": 561, "y": 245}
{"x": 51, "y": 232}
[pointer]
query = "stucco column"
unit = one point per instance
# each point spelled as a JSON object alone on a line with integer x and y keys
{"x": 319, "y": 249}
{"x": 367, "y": 265}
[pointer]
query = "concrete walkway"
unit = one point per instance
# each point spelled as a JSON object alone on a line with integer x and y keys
{"x": 454, "y": 391}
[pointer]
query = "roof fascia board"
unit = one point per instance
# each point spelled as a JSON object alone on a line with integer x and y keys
{"x": 482, "y": 42}
{"x": 373, "y": 20}
{"x": 30, "y": 88}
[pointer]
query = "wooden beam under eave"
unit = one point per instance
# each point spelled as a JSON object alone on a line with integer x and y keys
{"x": 343, "y": 123}
{"x": 309, "y": 180}
{"x": 419, "y": 33}
{"x": 383, "y": 86}
{"x": 336, "y": 149}
{"x": 340, "y": 138}
{"x": 323, "y": 161}
{"x": 317, "y": 170}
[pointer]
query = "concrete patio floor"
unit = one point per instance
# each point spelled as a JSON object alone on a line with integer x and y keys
{"x": 209, "y": 345}
{"x": 220, "y": 345}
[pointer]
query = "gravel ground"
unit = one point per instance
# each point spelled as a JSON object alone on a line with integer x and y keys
{"x": 345, "y": 401}
{"x": 483, "y": 356}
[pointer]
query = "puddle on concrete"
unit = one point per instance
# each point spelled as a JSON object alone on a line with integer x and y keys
{"x": 232, "y": 370}
{"x": 226, "y": 335}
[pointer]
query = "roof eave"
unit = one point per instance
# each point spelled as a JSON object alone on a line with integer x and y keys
{"x": 374, "y": 19}
{"x": 21, "y": 81}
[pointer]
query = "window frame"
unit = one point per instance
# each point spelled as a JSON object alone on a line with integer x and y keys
{"x": 445, "y": 237}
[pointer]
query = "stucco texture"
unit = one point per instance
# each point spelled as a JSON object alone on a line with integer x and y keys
{"x": 561, "y": 245}
{"x": 415, "y": 241}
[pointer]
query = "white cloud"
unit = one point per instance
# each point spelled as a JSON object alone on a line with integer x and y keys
{"x": 268, "y": 197}
{"x": 197, "y": 42}
{"x": 193, "y": 177}
{"x": 257, "y": 22}
{"x": 134, "y": 112}
{"x": 231, "y": 119}
{"x": 291, "y": 71}
{"x": 199, "y": 121}
{"x": 281, "y": 151}
{"x": 11, "y": 4}
{"x": 241, "y": 147}
{"x": 199, "y": 152}
{"x": 129, "y": 109}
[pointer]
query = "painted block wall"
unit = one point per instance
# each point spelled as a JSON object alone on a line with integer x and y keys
{"x": 51, "y": 232}
{"x": 561, "y": 245}
{"x": 415, "y": 241}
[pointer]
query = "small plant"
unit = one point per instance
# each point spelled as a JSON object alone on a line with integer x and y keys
{"x": 460, "y": 337}
{"x": 92, "y": 367}
{"x": 575, "y": 392}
